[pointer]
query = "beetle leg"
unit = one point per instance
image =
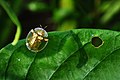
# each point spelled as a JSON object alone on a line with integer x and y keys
{"x": 45, "y": 39}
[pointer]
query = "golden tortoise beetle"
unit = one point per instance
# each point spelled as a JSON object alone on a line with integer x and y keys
{"x": 37, "y": 39}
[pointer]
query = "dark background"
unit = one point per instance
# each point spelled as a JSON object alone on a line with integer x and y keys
{"x": 59, "y": 15}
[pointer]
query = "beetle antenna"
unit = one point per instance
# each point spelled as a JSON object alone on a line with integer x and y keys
{"x": 45, "y": 27}
{"x": 40, "y": 26}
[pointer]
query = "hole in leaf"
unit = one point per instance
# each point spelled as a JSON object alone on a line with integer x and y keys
{"x": 96, "y": 42}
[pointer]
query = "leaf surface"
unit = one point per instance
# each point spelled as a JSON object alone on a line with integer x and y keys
{"x": 69, "y": 55}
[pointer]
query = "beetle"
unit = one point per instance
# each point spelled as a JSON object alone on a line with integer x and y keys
{"x": 37, "y": 39}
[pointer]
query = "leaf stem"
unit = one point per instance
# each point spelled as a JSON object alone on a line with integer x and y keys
{"x": 14, "y": 19}
{"x": 17, "y": 35}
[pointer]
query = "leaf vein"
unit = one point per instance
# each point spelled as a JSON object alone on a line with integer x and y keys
{"x": 99, "y": 63}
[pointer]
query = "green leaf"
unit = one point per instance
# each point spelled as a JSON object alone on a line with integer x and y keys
{"x": 110, "y": 11}
{"x": 69, "y": 55}
{"x": 37, "y": 6}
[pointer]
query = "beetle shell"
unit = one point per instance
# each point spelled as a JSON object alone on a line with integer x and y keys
{"x": 37, "y": 39}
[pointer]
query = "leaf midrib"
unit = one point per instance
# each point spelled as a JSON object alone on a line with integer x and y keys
{"x": 61, "y": 64}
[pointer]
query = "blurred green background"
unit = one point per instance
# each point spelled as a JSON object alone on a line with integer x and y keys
{"x": 58, "y": 15}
